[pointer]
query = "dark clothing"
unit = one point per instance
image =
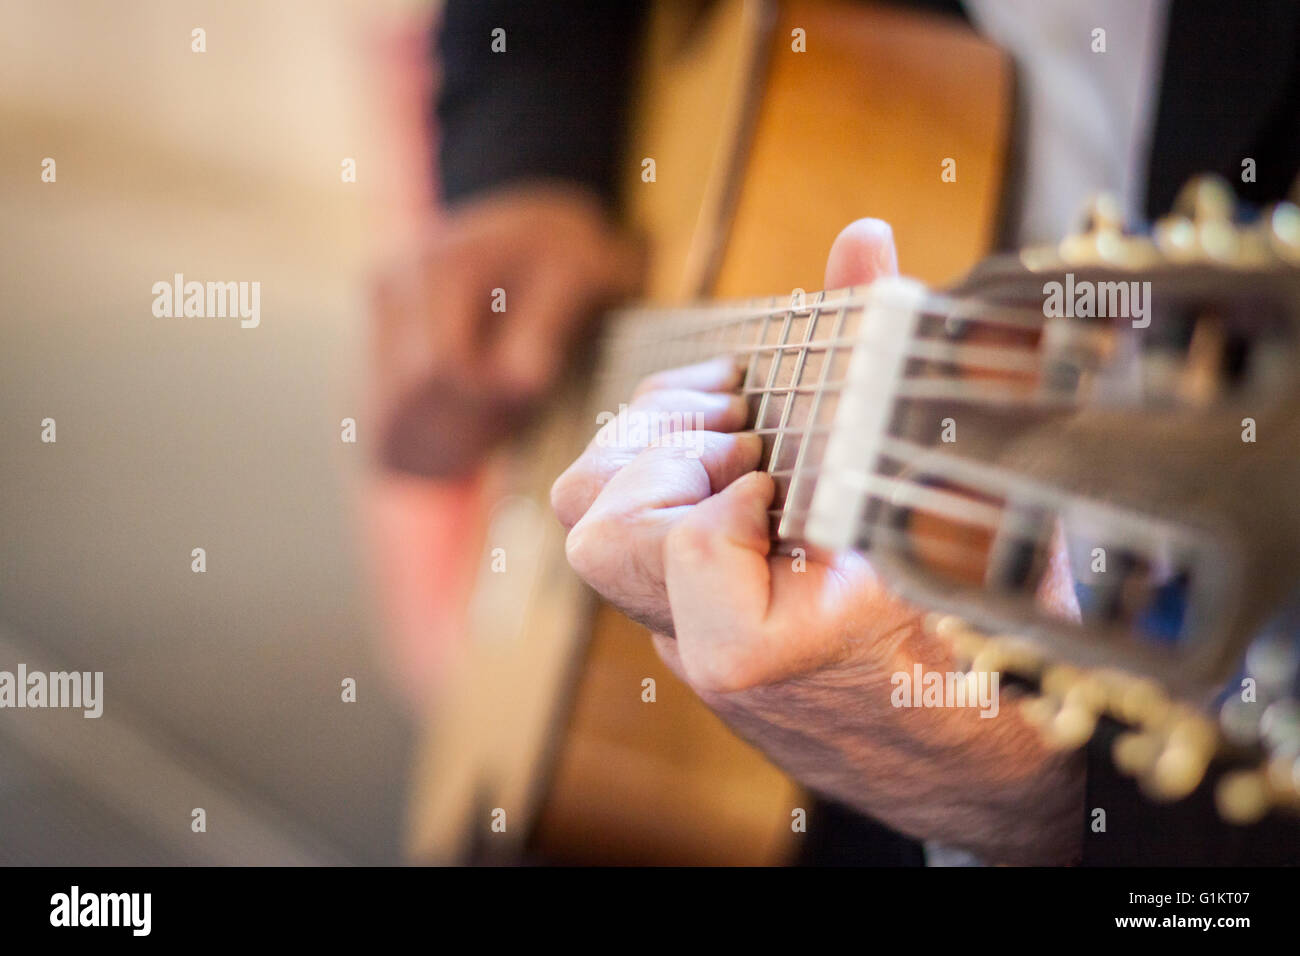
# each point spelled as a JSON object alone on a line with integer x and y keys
{"x": 555, "y": 106}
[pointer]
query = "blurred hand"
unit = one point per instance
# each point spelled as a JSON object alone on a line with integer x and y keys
{"x": 475, "y": 328}
{"x": 801, "y": 662}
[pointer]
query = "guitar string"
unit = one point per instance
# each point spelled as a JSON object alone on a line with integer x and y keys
{"x": 800, "y": 455}
{"x": 974, "y": 509}
{"x": 894, "y": 490}
{"x": 933, "y": 305}
{"x": 976, "y": 356}
{"x": 948, "y": 353}
{"x": 796, "y": 374}
{"x": 876, "y": 534}
{"x": 943, "y": 351}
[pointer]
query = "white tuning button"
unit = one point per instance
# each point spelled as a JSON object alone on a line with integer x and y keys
{"x": 1284, "y": 231}
{"x": 1201, "y": 226}
{"x": 1102, "y": 240}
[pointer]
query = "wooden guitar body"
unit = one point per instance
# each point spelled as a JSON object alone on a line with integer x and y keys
{"x": 770, "y": 127}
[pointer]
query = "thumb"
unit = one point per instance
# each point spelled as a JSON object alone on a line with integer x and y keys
{"x": 745, "y": 617}
{"x": 862, "y": 252}
{"x": 717, "y": 578}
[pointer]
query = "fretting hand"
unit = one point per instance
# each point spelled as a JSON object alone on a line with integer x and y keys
{"x": 802, "y": 662}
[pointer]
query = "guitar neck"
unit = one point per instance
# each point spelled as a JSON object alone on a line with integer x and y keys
{"x": 858, "y": 394}
{"x": 794, "y": 352}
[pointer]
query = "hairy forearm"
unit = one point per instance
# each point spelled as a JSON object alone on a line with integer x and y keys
{"x": 986, "y": 784}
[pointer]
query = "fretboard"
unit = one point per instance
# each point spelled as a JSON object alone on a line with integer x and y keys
{"x": 801, "y": 381}
{"x": 794, "y": 355}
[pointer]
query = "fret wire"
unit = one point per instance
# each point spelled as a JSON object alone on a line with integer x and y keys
{"x": 753, "y": 359}
{"x": 771, "y": 372}
{"x": 876, "y": 485}
{"x": 827, "y": 361}
{"x": 795, "y": 376}
{"x": 650, "y": 354}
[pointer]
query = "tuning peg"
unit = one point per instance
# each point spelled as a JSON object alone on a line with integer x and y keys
{"x": 1072, "y": 727}
{"x": 1205, "y": 199}
{"x": 1283, "y": 222}
{"x": 1102, "y": 215}
{"x": 1243, "y": 797}
{"x": 1081, "y": 699}
{"x": 1239, "y": 721}
{"x": 1200, "y": 227}
{"x": 1139, "y": 701}
{"x": 1101, "y": 239}
{"x": 1018, "y": 655}
{"x": 1280, "y": 725}
{"x": 966, "y": 644}
{"x": 1186, "y": 756}
{"x": 1039, "y": 712}
{"x": 1284, "y": 773}
{"x": 1135, "y": 753}
{"x": 1059, "y": 727}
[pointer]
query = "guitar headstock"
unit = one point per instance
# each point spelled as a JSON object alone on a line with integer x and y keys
{"x": 1136, "y": 397}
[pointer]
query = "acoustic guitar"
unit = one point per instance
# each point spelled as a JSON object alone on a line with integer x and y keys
{"x": 950, "y": 434}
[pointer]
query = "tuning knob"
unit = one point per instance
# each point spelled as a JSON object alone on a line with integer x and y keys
{"x": 1200, "y": 227}
{"x": 1136, "y": 753}
{"x": 1243, "y": 797}
{"x": 1205, "y": 199}
{"x": 1283, "y": 224}
{"x": 1181, "y": 766}
{"x": 1101, "y": 239}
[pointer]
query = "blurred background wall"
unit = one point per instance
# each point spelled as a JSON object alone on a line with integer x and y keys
{"x": 222, "y": 689}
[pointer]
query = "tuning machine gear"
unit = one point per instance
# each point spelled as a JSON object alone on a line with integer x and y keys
{"x": 1202, "y": 228}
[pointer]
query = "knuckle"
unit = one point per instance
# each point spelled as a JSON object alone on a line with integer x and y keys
{"x": 571, "y": 495}
{"x": 717, "y": 669}
{"x": 583, "y": 548}
{"x": 689, "y": 544}
{"x": 560, "y": 499}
